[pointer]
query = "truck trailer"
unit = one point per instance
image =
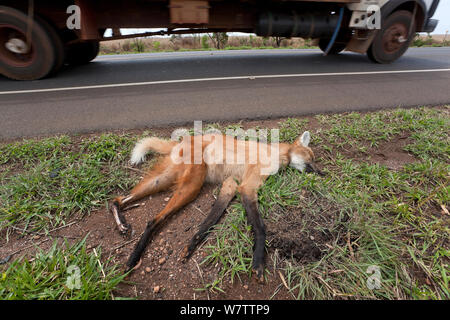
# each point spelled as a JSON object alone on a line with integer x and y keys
{"x": 37, "y": 37}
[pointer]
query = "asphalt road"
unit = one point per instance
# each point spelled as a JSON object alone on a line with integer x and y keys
{"x": 138, "y": 91}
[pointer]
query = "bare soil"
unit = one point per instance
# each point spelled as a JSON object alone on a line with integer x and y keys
{"x": 163, "y": 276}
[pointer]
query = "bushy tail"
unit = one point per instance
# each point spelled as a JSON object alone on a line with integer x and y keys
{"x": 152, "y": 143}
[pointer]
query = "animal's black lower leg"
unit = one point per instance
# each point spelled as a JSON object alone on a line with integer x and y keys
{"x": 141, "y": 245}
{"x": 259, "y": 233}
{"x": 212, "y": 219}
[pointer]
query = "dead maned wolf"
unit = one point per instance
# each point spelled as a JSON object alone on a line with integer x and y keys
{"x": 239, "y": 165}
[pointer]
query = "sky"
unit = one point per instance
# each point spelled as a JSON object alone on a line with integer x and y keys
{"x": 442, "y": 14}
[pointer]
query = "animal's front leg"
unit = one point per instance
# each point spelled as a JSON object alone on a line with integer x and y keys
{"x": 253, "y": 179}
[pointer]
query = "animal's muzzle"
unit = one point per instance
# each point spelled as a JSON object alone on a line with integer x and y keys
{"x": 310, "y": 167}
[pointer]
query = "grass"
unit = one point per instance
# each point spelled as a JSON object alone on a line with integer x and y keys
{"x": 53, "y": 179}
{"x": 362, "y": 215}
{"x": 69, "y": 273}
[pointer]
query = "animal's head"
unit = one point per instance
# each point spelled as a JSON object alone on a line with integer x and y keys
{"x": 301, "y": 157}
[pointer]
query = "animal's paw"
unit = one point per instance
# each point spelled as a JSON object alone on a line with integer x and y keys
{"x": 133, "y": 266}
{"x": 124, "y": 228}
{"x": 259, "y": 271}
{"x": 186, "y": 254}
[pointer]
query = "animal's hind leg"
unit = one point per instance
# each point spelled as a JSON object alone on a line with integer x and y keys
{"x": 187, "y": 188}
{"x": 227, "y": 193}
{"x": 160, "y": 178}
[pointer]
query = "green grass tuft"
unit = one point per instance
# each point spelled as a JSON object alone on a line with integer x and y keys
{"x": 52, "y": 275}
{"x": 53, "y": 179}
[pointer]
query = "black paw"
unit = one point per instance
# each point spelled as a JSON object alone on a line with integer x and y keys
{"x": 125, "y": 229}
{"x": 259, "y": 271}
{"x": 133, "y": 265}
{"x": 187, "y": 253}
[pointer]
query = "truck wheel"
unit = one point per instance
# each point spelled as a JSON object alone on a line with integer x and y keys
{"x": 82, "y": 52}
{"x": 335, "y": 49}
{"x": 45, "y": 54}
{"x": 392, "y": 41}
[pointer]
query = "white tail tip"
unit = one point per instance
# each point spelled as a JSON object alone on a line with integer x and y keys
{"x": 138, "y": 153}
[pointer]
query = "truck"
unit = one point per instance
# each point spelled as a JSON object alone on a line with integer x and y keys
{"x": 38, "y": 37}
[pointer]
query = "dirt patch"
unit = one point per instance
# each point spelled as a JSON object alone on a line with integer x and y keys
{"x": 392, "y": 154}
{"x": 388, "y": 153}
{"x": 306, "y": 234}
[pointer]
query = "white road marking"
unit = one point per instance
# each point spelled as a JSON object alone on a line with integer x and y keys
{"x": 149, "y": 83}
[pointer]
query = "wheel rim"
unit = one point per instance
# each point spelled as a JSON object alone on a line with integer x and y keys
{"x": 394, "y": 38}
{"x": 13, "y": 47}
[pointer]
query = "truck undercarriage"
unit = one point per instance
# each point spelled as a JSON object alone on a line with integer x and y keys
{"x": 38, "y": 36}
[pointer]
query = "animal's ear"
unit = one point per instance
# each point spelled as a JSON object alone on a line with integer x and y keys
{"x": 304, "y": 139}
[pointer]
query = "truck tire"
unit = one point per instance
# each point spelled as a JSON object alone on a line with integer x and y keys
{"x": 392, "y": 41}
{"x": 82, "y": 52}
{"x": 45, "y": 55}
{"x": 335, "y": 49}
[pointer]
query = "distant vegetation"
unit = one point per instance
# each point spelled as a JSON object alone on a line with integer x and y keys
{"x": 214, "y": 41}
{"x": 222, "y": 41}
{"x": 431, "y": 40}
